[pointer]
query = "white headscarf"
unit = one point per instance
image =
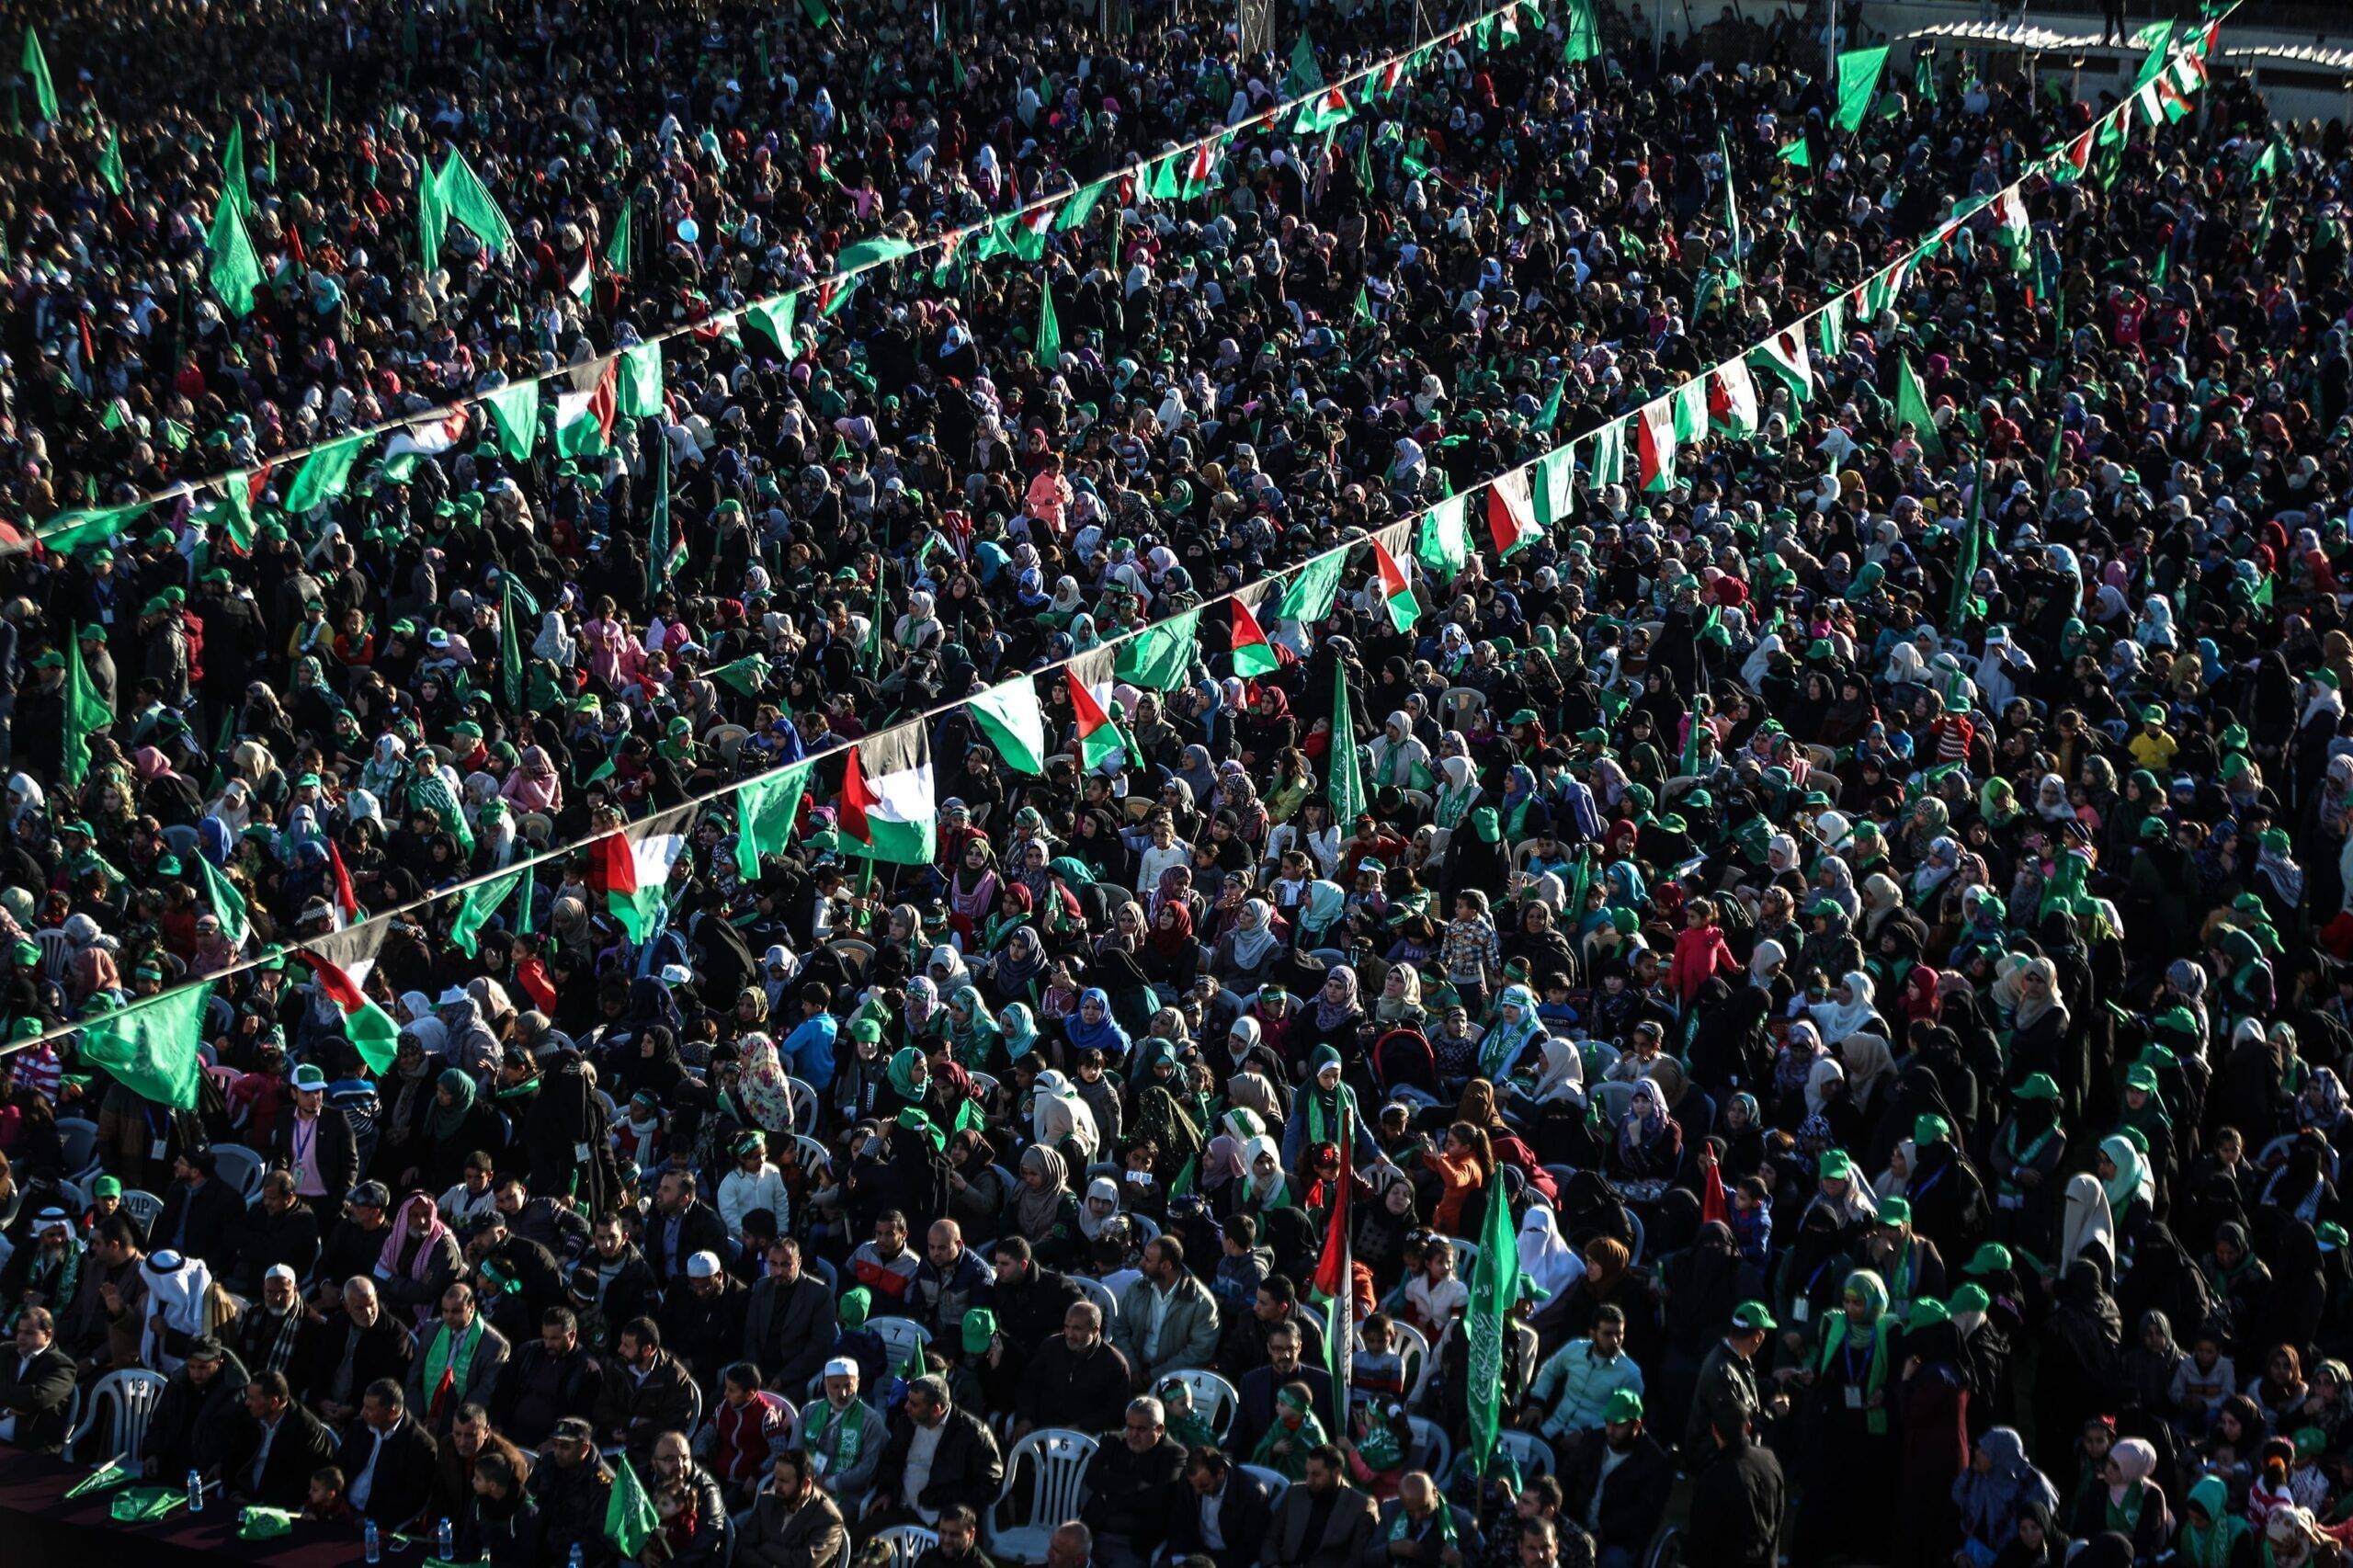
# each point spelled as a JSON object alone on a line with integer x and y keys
{"x": 176, "y": 1296}
{"x": 1056, "y": 1112}
{"x": 1544, "y": 1256}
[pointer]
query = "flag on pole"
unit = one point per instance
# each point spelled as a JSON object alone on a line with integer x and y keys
{"x": 235, "y": 271}
{"x": 346, "y": 902}
{"x": 1583, "y": 33}
{"x": 1253, "y": 655}
{"x": 36, "y": 66}
{"x": 631, "y": 866}
{"x": 584, "y": 420}
{"x": 765, "y": 810}
{"x": 1511, "y": 512}
{"x": 1305, "y": 76}
{"x": 150, "y": 1046}
{"x": 1346, "y": 787}
{"x": 340, "y": 964}
{"x": 475, "y": 908}
{"x": 86, "y": 713}
{"x": 1858, "y": 72}
{"x": 1443, "y": 541}
{"x": 1048, "y": 345}
{"x": 110, "y": 163}
{"x": 1098, "y": 738}
{"x": 510, "y": 650}
{"x": 1395, "y": 592}
{"x": 228, "y": 905}
{"x": 887, "y": 807}
{"x": 1336, "y": 1275}
{"x": 1010, "y": 715}
{"x": 630, "y": 1519}
{"x": 1912, "y": 408}
{"x": 1495, "y": 1288}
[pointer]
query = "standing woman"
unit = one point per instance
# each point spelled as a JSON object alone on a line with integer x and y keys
{"x": 1847, "y": 1507}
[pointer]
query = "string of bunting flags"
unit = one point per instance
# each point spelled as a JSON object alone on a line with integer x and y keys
{"x": 886, "y": 807}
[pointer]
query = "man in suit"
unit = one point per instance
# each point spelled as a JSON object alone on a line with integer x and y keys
{"x": 200, "y": 1214}
{"x": 646, "y": 1393}
{"x": 1621, "y": 1505}
{"x": 360, "y": 1343}
{"x": 793, "y": 1524}
{"x": 938, "y": 1455}
{"x": 1131, "y": 1485}
{"x": 1254, "y": 1412}
{"x": 1222, "y": 1514}
{"x": 682, "y": 1225}
{"x": 1418, "y": 1515}
{"x": 457, "y": 1361}
{"x": 277, "y": 1231}
{"x": 1323, "y": 1522}
{"x": 36, "y": 1385}
{"x": 388, "y": 1459}
{"x": 316, "y": 1146}
{"x": 789, "y": 1322}
{"x": 275, "y": 1447}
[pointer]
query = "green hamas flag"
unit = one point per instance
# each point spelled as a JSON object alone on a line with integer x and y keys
{"x": 772, "y": 319}
{"x": 1305, "y": 76}
{"x": 1158, "y": 656}
{"x": 1583, "y": 33}
{"x": 746, "y": 674}
{"x": 110, "y": 163}
{"x": 471, "y": 204}
{"x": 1346, "y": 789}
{"x": 1081, "y": 205}
{"x": 36, "y": 67}
{"x": 1311, "y": 594}
{"x": 1048, "y": 346}
{"x": 765, "y": 811}
{"x": 617, "y": 252}
{"x": 86, "y": 713}
{"x": 1858, "y": 72}
{"x": 638, "y": 393}
{"x": 475, "y": 909}
{"x": 325, "y": 474}
{"x": 150, "y": 1046}
{"x": 235, "y": 271}
{"x": 1495, "y": 1288}
{"x": 228, "y": 903}
{"x": 1911, "y": 407}
{"x": 630, "y": 1517}
{"x": 232, "y": 170}
{"x": 1443, "y": 541}
{"x": 510, "y": 650}
{"x": 515, "y": 410}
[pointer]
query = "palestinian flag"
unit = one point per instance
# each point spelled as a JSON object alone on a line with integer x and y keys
{"x": 1783, "y": 356}
{"x": 339, "y": 968}
{"x": 1731, "y": 399}
{"x": 1098, "y": 738}
{"x": 1253, "y": 655}
{"x": 1511, "y": 512}
{"x": 584, "y": 420}
{"x": 1395, "y": 592}
{"x": 632, "y": 867}
{"x": 346, "y": 902}
{"x": 1336, "y": 1270}
{"x": 1322, "y": 112}
{"x": 2013, "y": 231}
{"x": 582, "y": 283}
{"x": 425, "y": 438}
{"x": 1654, "y": 444}
{"x": 1030, "y": 230}
{"x": 1202, "y": 163}
{"x": 887, "y": 810}
{"x": 1390, "y": 75}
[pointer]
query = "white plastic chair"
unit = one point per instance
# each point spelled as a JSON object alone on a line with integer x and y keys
{"x": 1531, "y": 1453}
{"x": 1432, "y": 1451}
{"x": 240, "y": 1167}
{"x": 1215, "y": 1400}
{"x": 1147, "y": 1228}
{"x": 1415, "y": 1347}
{"x": 1058, "y": 1461}
{"x": 1466, "y": 1258}
{"x": 1276, "y": 1482}
{"x": 907, "y": 1542}
{"x": 141, "y": 1206}
{"x": 904, "y": 1336}
{"x": 805, "y": 1101}
{"x": 56, "y": 952}
{"x": 813, "y": 1155}
{"x": 1101, "y": 1294}
{"x": 133, "y": 1392}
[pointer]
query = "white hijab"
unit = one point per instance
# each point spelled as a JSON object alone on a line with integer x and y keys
{"x": 1544, "y": 1256}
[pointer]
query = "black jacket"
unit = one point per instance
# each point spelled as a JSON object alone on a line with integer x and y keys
{"x": 385, "y": 1349}
{"x": 1633, "y": 1499}
{"x": 404, "y": 1478}
{"x": 538, "y": 1390}
{"x": 777, "y": 1534}
{"x": 966, "y": 1468}
{"x": 338, "y": 1150}
{"x": 1129, "y": 1494}
{"x": 1736, "y": 1508}
{"x": 36, "y": 1391}
{"x": 1031, "y": 1312}
{"x": 200, "y": 1222}
{"x": 266, "y": 1240}
{"x": 302, "y": 1445}
{"x": 1087, "y": 1394}
{"x": 192, "y": 1426}
{"x": 788, "y": 1332}
{"x": 634, "y": 1292}
{"x": 671, "y": 1238}
{"x": 635, "y": 1412}
{"x": 704, "y": 1332}
{"x": 1243, "y": 1520}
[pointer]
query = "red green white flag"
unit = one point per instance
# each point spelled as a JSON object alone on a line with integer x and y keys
{"x": 1511, "y": 512}
{"x": 1395, "y": 591}
{"x": 1090, "y": 704}
{"x": 340, "y": 964}
{"x": 1654, "y": 444}
{"x": 584, "y": 420}
{"x": 888, "y": 810}
{"x": 631, "y": 866}
{"x": 1253, "y": 655}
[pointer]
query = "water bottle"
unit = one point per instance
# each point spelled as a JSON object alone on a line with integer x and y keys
{"x": 372, "y": 1544}
{"x": 444, "y": 1540}
{"x": 194, "y": 1492}
{"x": 574, "y": 1560}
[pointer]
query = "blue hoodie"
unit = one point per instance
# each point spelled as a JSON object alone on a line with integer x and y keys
{"x": 810, "y": 1049}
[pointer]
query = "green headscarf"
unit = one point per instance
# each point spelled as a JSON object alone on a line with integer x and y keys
{"x": 1873, "y": 1290}
{"x": 902, "y": 1074}
{"x": 443, "y": 1121}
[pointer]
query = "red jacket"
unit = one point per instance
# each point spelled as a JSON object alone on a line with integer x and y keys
{"x": 1701, "y": 953}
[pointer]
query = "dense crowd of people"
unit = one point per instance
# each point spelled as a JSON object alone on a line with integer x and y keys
{"x": 1868, "y": 917}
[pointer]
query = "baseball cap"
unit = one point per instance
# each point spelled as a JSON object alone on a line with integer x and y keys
{"x": 1753, "y": 1315}
{"x": 309, "y": 1076}
{"x": 1624, "y": 1405}
{"x": 370, "y": 1195}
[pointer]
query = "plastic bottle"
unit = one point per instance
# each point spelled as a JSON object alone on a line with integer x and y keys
{"x": 372, "y": 1544}
{"x": 194, "y": 1492}
{"x": 444, "y": 1540}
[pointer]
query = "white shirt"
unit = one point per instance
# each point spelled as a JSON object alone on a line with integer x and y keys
{"x": 1213, "y": 1512}
{"x": 365, "y": 1482}
{"x": 261, "y": 1455}
{"x": 921, "y": 1451}
{"x": 1150, "y": 1342}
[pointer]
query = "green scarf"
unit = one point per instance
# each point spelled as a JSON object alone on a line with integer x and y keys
{"x": 1834, "y": 1341}
{"x": 1403, "y": 1524}
{"x": 1293, "y": 1465}
{"x": 441, "y": 1364}
{"x": 839, "y": 1434}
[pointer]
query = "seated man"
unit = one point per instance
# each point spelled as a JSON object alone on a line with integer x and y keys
{"x": 1130, "y": 1486}
{"x": 36, "y": 1385}
{"x": 843, "y": 1436}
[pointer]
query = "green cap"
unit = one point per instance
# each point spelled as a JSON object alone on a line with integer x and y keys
{"x": 1992, "y": 1258}
{"x": 1930, "y": 1128}
{"x": 1835, "y": 1166}
{"x": 1925, "y": 1312}
{"x": 1895, "y": 1210}
{"x": 979, "y": 1329}
{"x": 855, "y": 1303}
{"x": 107, "y": 1187}
{"x": 2037, "y": 1086}
{"x": 1753, "y": 1315}
{"x": 2332, "y": 1236}
{"x": 1624, "y": 1405}
{"x": 1970, "y": 1299}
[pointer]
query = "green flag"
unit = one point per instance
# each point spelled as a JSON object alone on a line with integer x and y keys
{"x": 638, "y": 395}
{"x": 150, "y": 1046}
{"x": 617, "y": 251}
{"x": 746, "y": 674}
{"x": 515, "y": 410}
{"x": 1305, "y": 76}
{"x": 477, "y": 906}
{"x": 236, "y": 270}
{"x": 232, "y": 170}
{"x": 86, "y": 713}
{"x": 1081, "y": 206}
{"x": 36, "y": 65}
{"x": 110, "y": 163}
{"x": 1158, "y": 656}
{"x": 765, "y": 810}
{"x": 1858, "y": 72}
{"x": 1346, "y": 787}
{"x": 1049, "y": 346}
{"x": 510, "y": 650}
{"x": 666, "y": 554}
{"x": 227, "y": 902}
{"x": 1443, "y": 541}
{"x": 1495, "y": 1288}
{"x": 1912, "y": 406}
{"x": 1924, "y": 74}
{"x": 772, "y": 319}
{"x": 1583, "y": 33}
{"x": 1010, "y": 715}
{"x": 471, "y": 204}
{"x": 1964, "y": 573}
{"x": 1311, "y": 594}
{"x": 818, "y": 17}
{"x": 325, "y": 474}
{"x": 1798, "y": 154}
{"x": 432, "y": 219}
{"x": 630, "y": 1517}
{"x": 864, "y": 254}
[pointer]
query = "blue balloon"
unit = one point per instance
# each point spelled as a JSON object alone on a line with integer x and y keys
{"x": 689, "y": 231}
